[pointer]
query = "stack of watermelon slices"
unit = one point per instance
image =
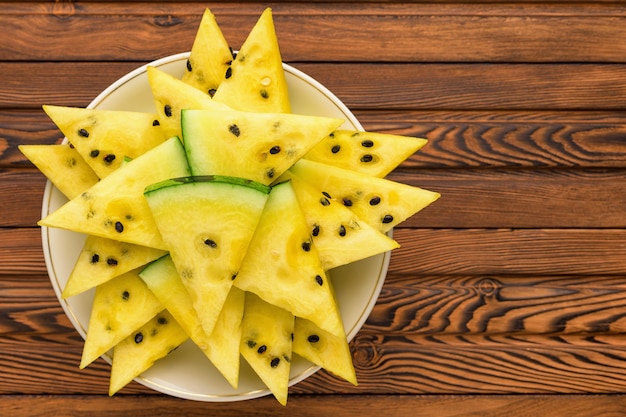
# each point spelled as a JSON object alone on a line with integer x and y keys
{"x": 218, "y": 217}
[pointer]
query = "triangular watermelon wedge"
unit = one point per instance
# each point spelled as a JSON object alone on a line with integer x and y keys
{"x": 255, "y": 146}
{"x": 207, "y": 223}
{"x": 210, "y": 56}
{"x": 120, "y": 306}
{"x": 171, "y": 95}
{"x": 266, "y": 343}
{"x": 63, "y": 166}
{"x": 105, "y": 137}
{"x": 114, "y": 208}
{"x": 282, "y": 265}
{"x": 380, "y": 202}
{"x": 222, "y": 345}
{"x": 256, "y": 80}
{"x": 371, "y": 153}
{"x": 338, "y": 234}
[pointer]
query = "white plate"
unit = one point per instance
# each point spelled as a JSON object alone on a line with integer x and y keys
{"x": 186, "y": 372}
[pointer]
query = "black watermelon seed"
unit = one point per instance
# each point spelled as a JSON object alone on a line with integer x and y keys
{"x": 95, "y": 258}
{"x": 274, "y": 363}
{"x": 234, "y": 129}
{"x": 83, "y": 133}
{"x": 162, "y": 320}
{"x": 261, "y": 349}
{"x": 125, "y": 295}
{"x": 335, "y": 149}
{"x": 342, "y": 230}
{"x": 189, "y": 68}
{"x": 138, "y": 338}
{"x": 109, "y": 158}
{"x": 367, "y": 158}
{"x": 94, "y": 153}
{"x": 251, "y": 343}
{"x": 111, "y": 261}
{"x": 210, "y": 243}
{"x": 374, "y": 201}
{"x": 270, "y": 173}
{"x": 119, "y": 227}
{"x": 275, "y": 149}
{"x": 168, "y": 110}
{"x": 347, "y": 202}
{"x": 319, "y": 280}
{"x": 71, "y": 146}
{"x": 316, "y": 230}
{"x": 292, "y": 337}
{"x": 326, "y": 194}
{"x": 155, "y": 122}
{"x": 264, "y": 93}
{"x": 229, "y": 73}
{"x": 234, "y": 275}
{"x": 212, "y": 92}
{"x": 367, "y": 143}
{"x": 388, "y": 218}
{"x": 324, "y": 201}
{"x": 306, "y": 246}
{"x": 313, "y": 338}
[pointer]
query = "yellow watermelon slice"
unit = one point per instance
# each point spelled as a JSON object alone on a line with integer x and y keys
{"x": 371, "y": 153}
{"x": 338, "y": 234}
{"x": 207, "y": 224}
{"x": 102, "y": 259}
{"x": 63, "y": 166}
{"x": 325, "y": 349}
{"x": 210, "y": 56}
{"x": 114, "y": 208}
{"x": 120, "y": 306}
{"x": 282, "y": 265}
{"x": 146, "y": 345}
{"x": 256, "y": 80}
{"x": 171, "y": 95}
{"x": 266, "y": 343}
{"x": 105, "y": 137}
{"x": 231, "y": 143}
{"x": 380, "y": 202}
{"x": 222, "y": 345}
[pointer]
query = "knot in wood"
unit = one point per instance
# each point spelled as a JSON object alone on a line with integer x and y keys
{"x": 365, "y": 352}
{"x": 167, "y": 20}
{"x": 489, "y": 287}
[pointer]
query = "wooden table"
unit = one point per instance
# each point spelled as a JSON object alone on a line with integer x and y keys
{"x": 508, "y": 296}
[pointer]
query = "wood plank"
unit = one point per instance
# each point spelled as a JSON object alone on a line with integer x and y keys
{"x": 466, "y": 139}
{"x": 507, "y": 33}
{"x": 385, "y": 364}
{"x": 477, "y": 198}
{"x": 314, "y": 406}
{"x": 509, "y": 251}
{"x": 439, "y": 251}
{"x": 455, "y": 310}
{"x": 471, "y": 139}
{"x": 366, "y": 86}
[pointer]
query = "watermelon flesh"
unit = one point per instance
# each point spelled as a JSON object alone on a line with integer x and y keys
{"x": 207, "y": 224}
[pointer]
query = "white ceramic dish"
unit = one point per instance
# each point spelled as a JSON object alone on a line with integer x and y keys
{"x": 187, "y": 373}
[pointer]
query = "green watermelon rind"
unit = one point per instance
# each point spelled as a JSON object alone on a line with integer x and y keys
{"x": 172, "y": 182}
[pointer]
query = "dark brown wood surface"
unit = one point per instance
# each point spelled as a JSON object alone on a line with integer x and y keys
{"x": 508, "y": 295}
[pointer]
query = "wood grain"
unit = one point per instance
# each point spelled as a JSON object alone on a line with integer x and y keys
{"x": 366, "y": 86}
{"x": 310, "y": 406}
{"x": 505, "y": 33}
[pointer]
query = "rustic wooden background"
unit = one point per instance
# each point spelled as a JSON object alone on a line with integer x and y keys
{"x": 508, "y": 295}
